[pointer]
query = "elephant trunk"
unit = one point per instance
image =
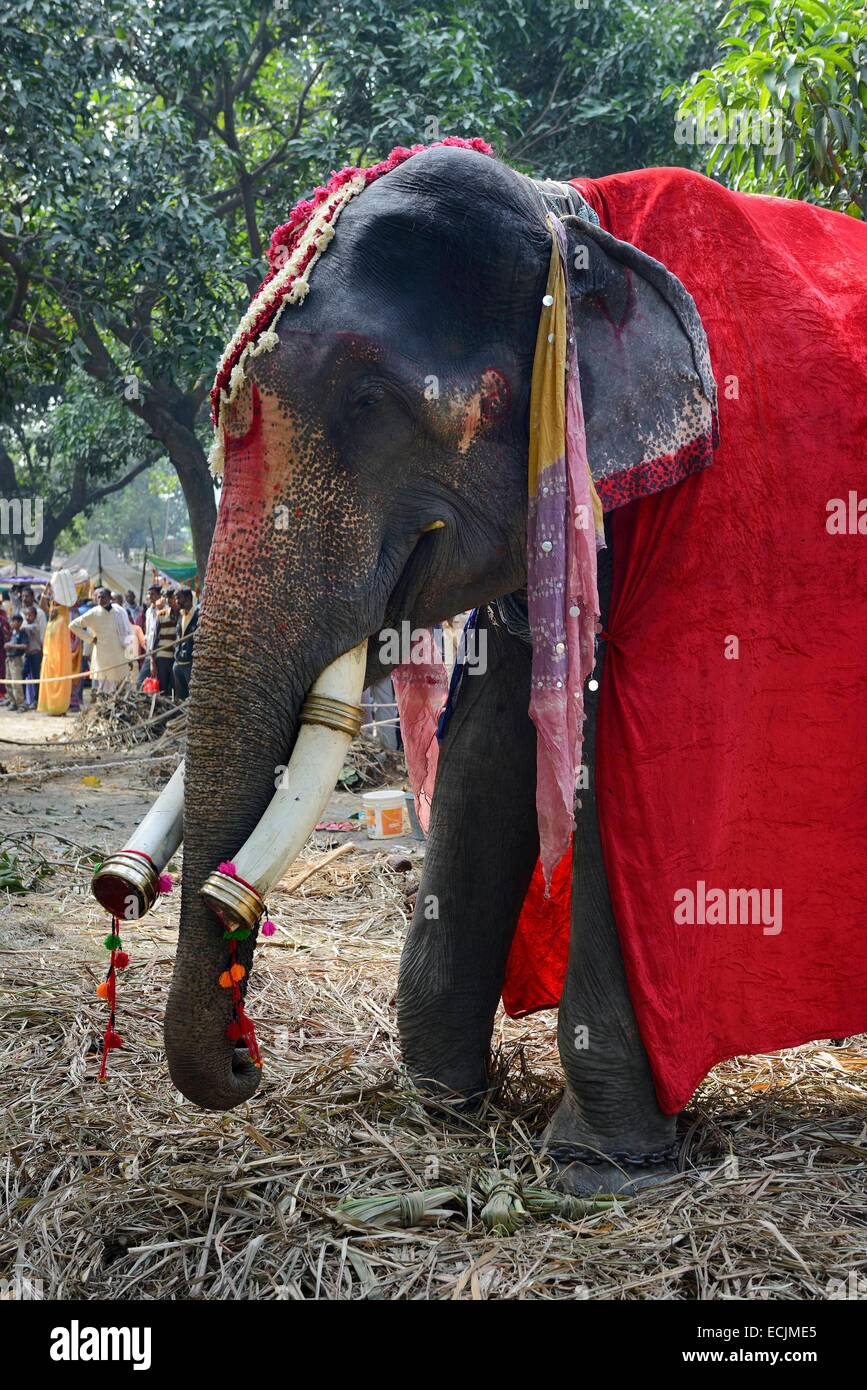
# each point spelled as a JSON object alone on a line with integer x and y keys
{"x": 246, "y": 805}
{"x": 242, "y": 724}
{"x": 269, "y": 628}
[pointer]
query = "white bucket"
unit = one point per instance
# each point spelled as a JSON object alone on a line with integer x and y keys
{"x": 384, "y": 813}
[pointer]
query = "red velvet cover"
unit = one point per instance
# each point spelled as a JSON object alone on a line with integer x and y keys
{"x": 746, "y": 773}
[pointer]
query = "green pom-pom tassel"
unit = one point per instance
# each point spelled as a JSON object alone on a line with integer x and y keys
{"x": 238, "y": 934}
{"x": 111, "y": 942}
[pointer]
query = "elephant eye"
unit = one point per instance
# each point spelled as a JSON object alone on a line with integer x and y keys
{"x": 365, "y": 395}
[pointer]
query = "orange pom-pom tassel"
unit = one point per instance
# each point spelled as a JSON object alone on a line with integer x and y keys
{"x": 102, "y": 989}
{"x": 237, "y": 972}
{"x": 226, "y": 980}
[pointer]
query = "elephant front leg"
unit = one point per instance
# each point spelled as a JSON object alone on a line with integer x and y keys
{"x": 480, "y": 855}
{"x": 609, "y": 1104}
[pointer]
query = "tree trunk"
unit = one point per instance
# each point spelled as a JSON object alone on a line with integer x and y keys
{"x": 173, "y": 428}
{"x": 198, "y": 489}
{"x": 40, "y": 555}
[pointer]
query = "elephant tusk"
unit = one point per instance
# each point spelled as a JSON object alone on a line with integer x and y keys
{"x": 126, "y": 883}
{"x": 330, "y": 719}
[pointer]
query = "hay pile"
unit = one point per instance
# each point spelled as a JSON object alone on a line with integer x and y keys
{"x": 125, "y": 1190}
{"x": 125, "y": 717}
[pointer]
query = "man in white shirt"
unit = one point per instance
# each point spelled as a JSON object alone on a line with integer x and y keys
{"x": 107, "y": 625}
{"x": 155, "y": 594}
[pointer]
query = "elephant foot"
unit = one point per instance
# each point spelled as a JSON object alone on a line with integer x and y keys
{"x": 587, "y": 1162}
{"x": 463, "y": 1100}
{"x": 621, "y": 1178}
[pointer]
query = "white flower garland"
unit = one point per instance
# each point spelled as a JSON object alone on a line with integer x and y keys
{"x": 287, "y": 287}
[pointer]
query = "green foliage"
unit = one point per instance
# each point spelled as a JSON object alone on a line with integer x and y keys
{"x": 148, "y": 514}
{"x": 70, "y": 446}
{"x": 801, "y": 68}
{"x": 17, "y": 875}
{"x": 591, "y": 79}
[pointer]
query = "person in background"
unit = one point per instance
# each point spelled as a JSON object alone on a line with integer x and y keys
{"x": 32, "y": 657}
{"x": 108, "y": 664}
{"x": 125, "y": 632}
{"x": 162, "y": 646}
{"x": 16, "y": 601}
{"x": 16, "y": 650}
{"x": 5, "y": 636}
{"x": 134, "y": 611}
{"x": 28, "y": 600}
{"x": 140, "y": 651}
{"x": 85, "y": 637}
{"x": 188, "y": 622}
{"x": 78, "y": 665}
{"x": 154, "y": 595}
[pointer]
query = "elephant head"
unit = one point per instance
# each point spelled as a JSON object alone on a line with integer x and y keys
{"x": 376, "y": 471}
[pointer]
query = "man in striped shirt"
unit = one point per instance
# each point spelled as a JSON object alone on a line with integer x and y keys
{"x": 161, "y": 645}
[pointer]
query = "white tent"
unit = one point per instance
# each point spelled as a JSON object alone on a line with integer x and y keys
{"x": 9, "y": 570}
{"x": 105, "y": 566}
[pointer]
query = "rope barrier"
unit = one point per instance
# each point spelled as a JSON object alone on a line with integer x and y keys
{"x": 77, "y": 676}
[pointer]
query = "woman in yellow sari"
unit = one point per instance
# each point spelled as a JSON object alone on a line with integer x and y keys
{"x": 54, "y": 693}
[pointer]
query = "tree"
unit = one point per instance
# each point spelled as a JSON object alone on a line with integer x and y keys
{"x": 62, "y": 452}
{"x": 149, "y": 513}
{"x": 785, "y": 104}
{"x": 591, "y": 83}
{"x": 148, "y": 151}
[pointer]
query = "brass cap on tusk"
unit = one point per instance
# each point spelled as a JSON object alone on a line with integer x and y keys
{"x": 433, "y": 526}
{"x": 123, "y": 876}
{"x": 236, "y": 904}
{"x": 332, "y": 714}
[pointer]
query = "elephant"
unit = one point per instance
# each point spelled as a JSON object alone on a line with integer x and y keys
{"x": 389, "y": 485}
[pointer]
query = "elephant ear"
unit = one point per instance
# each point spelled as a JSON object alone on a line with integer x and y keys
{"x": 647, "y": 386}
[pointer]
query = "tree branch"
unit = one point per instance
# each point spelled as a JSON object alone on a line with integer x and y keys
{"x": 108, "y": 488}
{"x": 229, "y": 199}
{"x": 261, "y": 46}
{"x": 516, "y": 147}
{"x": 248, "y": 200}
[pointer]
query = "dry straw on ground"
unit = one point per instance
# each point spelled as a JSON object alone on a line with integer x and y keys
{"x": 125, "y": 1190}
{"x": 126, "y": 717}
